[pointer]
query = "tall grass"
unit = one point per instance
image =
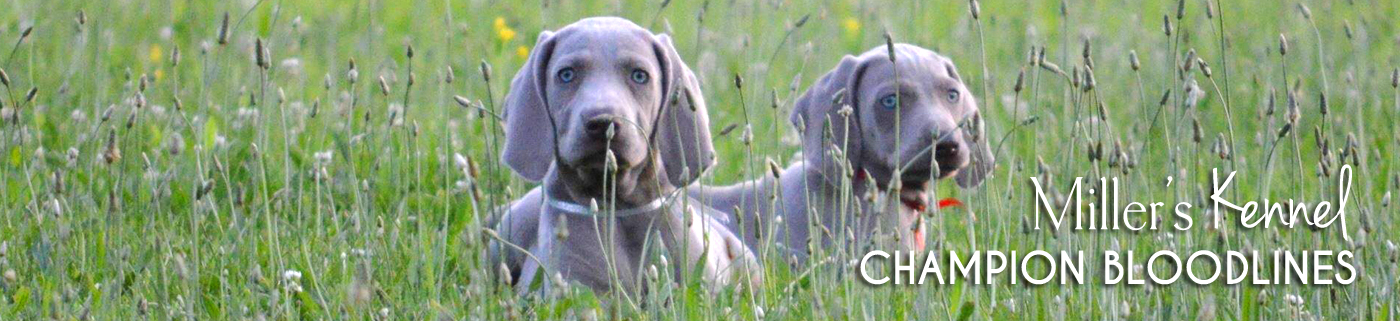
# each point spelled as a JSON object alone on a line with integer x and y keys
{"x": 181, "y": 160}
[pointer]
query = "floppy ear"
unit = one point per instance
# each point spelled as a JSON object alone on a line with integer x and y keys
{"x": 822, "y": 104}
{"x": 529, "y": 151}
{"x": 683, "y": 126}
{"x": 981, "y": 160}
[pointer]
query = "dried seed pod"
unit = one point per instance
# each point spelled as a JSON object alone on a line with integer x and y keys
{"x": 1282, "y": 45}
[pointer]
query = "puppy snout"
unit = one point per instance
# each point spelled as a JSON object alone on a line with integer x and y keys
{"x": 599, "y": 126}
{"x": 950, "y": 153}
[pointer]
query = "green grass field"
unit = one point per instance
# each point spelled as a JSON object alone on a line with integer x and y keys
{"x": 152, "y": 169}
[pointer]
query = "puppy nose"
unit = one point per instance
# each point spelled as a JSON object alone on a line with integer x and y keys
{"x": 598, "y": 126}
{"x": 946, "y": 152}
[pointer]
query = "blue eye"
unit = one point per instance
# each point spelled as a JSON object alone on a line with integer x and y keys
{"x": 566, "y": 75}
{"x": 889, "y": 101}
{"x": 953, "y": 95}
{"x": 640, "y": 76}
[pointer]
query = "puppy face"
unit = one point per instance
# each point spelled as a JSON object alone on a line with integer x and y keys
{"x": 910, "y": 117}
{"x": 604, "y": 85}
{"x": 600, "y": 83}
{"x": 914, "y": 117}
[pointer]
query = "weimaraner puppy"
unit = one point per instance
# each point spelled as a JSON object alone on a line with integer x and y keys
{"x": 862, "y": 123}
{"x": 611, "y": 121}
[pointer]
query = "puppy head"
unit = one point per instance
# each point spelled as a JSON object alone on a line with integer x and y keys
{"x": 919, "y": 101}
{"x": 606, "y": 84}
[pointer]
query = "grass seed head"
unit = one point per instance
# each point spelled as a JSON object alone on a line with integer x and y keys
{"x": 1133, "y": 60}
{"x": 1271, "y": 102}
{"x": 485, "y": 69}
{"x": 889, "y": 45}
{"x": 1190, "y": 59}
{"x": 462, "y": 101}
{"x": 451, "y": 75}
{"x": 1293, "y": 114}
{"x": 1395, "y": 78}
{"x": 1167, "y": 25}
{"x": 223, "y": 30}
{"x": 1020, "y": 81}
{"x": 1196, "y": 133}
{"x": 409, "y": 51}
{"x": 976, "y": 9}
{"x": 383, "y": 86}
{"x": 774, "y": 168}
{"x": 1031, "y": 58}
{"x": 1303, "y": 8}
{"x": 33, "y": 93}
{"x": 1180, "y": 9}
{"x": 4, "y": 78}
{"x": 1322, "y": 103}
{"x": 175, "y": 56}
{"x": 1282, "y": 45}
{"x": 260, "y": 54}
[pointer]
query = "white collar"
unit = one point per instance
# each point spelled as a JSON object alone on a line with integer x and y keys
{"x": 584, "y": 210}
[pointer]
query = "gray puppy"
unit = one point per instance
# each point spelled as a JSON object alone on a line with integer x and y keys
{"x": 611, "y": 121}
{"x": 853, "y": 143}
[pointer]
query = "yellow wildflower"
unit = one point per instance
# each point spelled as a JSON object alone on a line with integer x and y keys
{"x": 156, "y": 53}
{"x": 522, "y": 52}
{"x": 503, "y": 31}
{"x": 851, "y": 24}
{"x": 505, "y": 34}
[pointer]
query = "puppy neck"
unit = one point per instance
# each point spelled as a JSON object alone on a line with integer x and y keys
{"x": 833, "y": 177}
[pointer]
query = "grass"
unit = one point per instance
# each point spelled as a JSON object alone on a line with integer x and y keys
{"x": 344, "y": 177}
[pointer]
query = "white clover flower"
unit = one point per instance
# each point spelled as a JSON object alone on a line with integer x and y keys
{"x": 324, "y": 157}
{"x": 291, "y": 275}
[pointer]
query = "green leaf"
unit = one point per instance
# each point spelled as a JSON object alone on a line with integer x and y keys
{"x": 967, "y": 308}
{"x": 20, "y": 299}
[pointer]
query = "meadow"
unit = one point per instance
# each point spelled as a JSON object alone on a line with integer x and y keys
{"x": 286, "y": 159}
